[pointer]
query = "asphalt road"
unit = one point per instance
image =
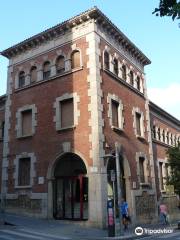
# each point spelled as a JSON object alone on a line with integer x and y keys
{"x": 16, "y": 233}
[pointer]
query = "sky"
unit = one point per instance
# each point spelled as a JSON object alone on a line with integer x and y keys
{"x": 158, "y": 38}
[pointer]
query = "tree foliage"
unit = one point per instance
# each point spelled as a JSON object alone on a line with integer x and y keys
{"x": 174, "y": 163}
{"x": 170, "y": 8}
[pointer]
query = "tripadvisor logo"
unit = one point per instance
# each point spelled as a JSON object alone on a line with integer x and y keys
{"x": 139, "y": 231}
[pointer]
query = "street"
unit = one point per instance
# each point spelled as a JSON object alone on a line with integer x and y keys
{"x": 172, "y": 236}
{"x": 18, "y": 233}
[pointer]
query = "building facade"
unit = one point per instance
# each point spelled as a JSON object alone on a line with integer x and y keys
{"x": 76, "y": 96}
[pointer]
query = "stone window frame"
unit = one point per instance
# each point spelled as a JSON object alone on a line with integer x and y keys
{"x": 56, "y": 105}
{"x": 110, "y": 98}
{"x": 164, "y": 162}
{"x": 19, "y": 120}
{"x": 32, "y": 169}
{"x": 146, "y": 167}
{"x": 134, "y": 111}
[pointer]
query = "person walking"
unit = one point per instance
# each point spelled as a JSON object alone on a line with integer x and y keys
{"x": 125, "y": 213}
{"x": 163, "y": 213}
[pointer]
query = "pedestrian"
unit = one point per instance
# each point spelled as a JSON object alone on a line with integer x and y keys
{"x": 125, "y": 213}
{"x": 163, "y": 213}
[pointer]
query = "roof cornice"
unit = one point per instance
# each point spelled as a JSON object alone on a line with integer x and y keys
{"x": 161, "y": 112}
{"x": 57, "y": 30}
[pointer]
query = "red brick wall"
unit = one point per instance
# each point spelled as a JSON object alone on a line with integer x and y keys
{"x": 2, "y": 117}
{"x": 127, "y": 138}
{"x": 46, "y": 143}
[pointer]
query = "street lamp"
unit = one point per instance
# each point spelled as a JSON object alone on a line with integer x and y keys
{"x": 118, "y": 174}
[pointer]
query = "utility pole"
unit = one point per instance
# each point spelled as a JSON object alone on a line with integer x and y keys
{"x": 119, "y": 194}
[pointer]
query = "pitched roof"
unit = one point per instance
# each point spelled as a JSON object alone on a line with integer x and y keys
{"x": 93, "y": 13}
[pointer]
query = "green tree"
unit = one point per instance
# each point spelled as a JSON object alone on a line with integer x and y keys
{"x": 173, "y": 155}
{"x": 170, "y": 8}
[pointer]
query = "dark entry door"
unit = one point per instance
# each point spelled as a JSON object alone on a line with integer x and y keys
{"x": 71, "y": 200}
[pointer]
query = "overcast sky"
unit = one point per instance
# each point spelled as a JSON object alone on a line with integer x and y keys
{"x": 158, "y": 38}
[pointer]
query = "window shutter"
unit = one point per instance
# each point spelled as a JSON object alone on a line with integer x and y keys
{"x": 67, "y": 113}
{"x": 115, "y": 106}
{"x": 27, "y": 122}
{"x": 75, "y": 59}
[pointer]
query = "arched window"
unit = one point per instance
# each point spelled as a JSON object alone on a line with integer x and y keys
{"x": 138, "y": 83}
{"x": 131, "y": 78}
{"x": 159, "y": 134}
{"x": 124, "y": 72}
{"x": 60, "y": 66}
{"x": 46, "y": 70}
{"x": 33, "y": 74}
{"x": 163, "y": 136}
{"x": 106, "y": 60}
{"x": 154, "y": 131}
{"x": 116, "y": 70}
{"x": 22, "y": 79}
{"x": 75, "y": 59}
{"x": 167, "y": 138}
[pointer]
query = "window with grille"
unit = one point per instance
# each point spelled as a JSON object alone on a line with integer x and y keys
{"x": 46, "y": 70}
{"x": 21, "y": 79}
{"x": 67, "y": 113}
{"x": 26, "y": 117}
{"x": 33, "y": 74}
{"x": 141, "y": 169}
{"x": 75, "y": 59}
{"x": 60, "y": 65}
{"x": 138, "y": 124}
{"x": 24, "y": 172}
{"x": 106, "y": 60}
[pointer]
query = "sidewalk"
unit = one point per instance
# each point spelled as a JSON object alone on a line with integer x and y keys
{"x": 69, "y": 230}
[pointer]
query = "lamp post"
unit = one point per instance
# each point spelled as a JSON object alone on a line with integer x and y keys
{"x": 119, "y": 193}
{"x": 118, "y": 174}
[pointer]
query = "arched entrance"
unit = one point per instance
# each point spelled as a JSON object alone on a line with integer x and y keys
{"x": 70, "y": 190}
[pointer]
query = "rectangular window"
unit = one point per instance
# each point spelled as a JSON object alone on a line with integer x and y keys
{"x": 24, "y": 172}
{"x": 115, "y": 119}
{"x": 67, "y": 113}
{"x": 141, "y": 169}
{"x": 161, "y": 175}
{"x": 2, "y": 130}
{"x": 138, "y": 123}
{"x": 26, "y": 122}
